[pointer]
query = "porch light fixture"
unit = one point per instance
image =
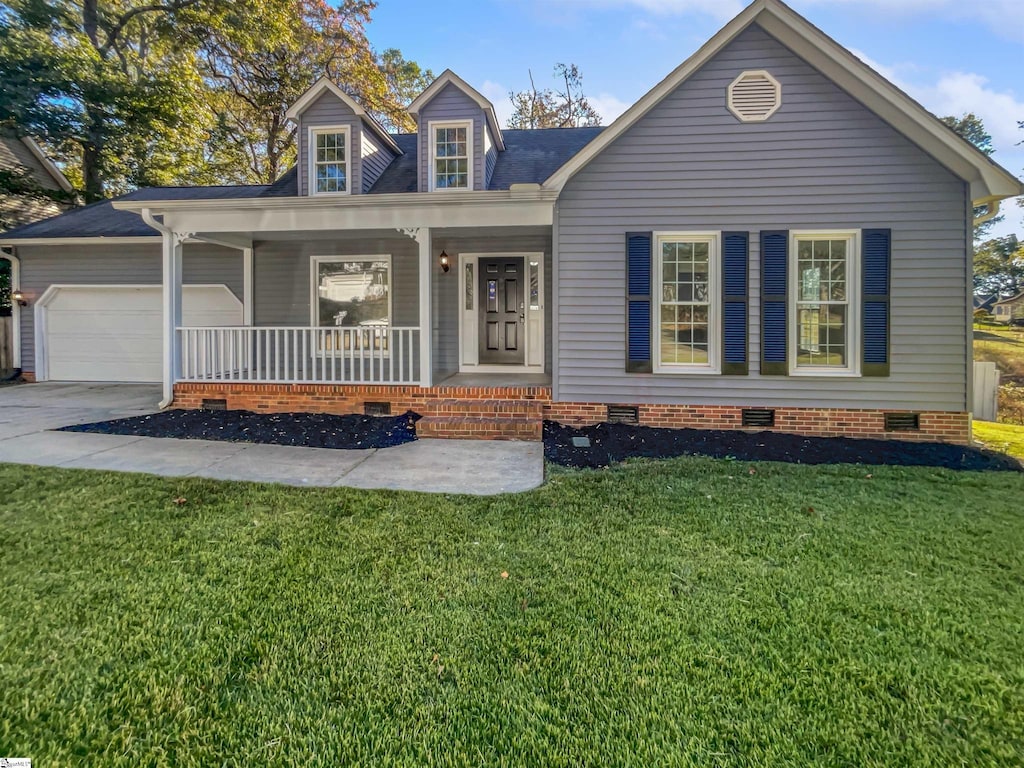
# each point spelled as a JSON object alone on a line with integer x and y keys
{"x": 445, "y": 263}
{"x": 19, "y": 297}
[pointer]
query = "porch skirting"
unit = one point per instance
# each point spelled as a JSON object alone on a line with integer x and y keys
{"x": 516, "y": 412}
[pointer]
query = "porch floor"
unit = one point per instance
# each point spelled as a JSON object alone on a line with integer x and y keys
{"x": 497, "y": 380}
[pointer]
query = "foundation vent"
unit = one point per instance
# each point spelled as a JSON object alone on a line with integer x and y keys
{"x": 623, "y": 414}
{"x": 377, "y": 409}
{"x": 215, "y": 404}
{"x": 758, "y": 417}
{"x": 902, "y": 422}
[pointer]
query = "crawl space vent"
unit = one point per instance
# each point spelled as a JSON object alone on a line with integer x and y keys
{"x": 754, "y": 96}
{"x": 377, "y": 409}
{"x": 623, "y": 414}
{"x": 758, "y": 417}
{"x": 214, "y": 404}
{"x": 902, "y": 422}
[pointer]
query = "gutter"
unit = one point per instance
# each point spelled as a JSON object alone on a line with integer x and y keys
{"x": 166, "y": 233}
{"x": 992, "y": 210}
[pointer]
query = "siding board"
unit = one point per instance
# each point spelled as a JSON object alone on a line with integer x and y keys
{"x": 822, "y": 161}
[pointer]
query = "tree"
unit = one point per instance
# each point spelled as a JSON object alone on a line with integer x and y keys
{"x": 999, "y": 267}
{"x": 564, "y": 107}
{"x": 405, "y": 81}
{"x": 110, "y": 85}
{"x": 971, "y": 128}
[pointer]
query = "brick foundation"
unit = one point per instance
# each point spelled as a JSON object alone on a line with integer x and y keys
{"x": 515, "y": 412}
{"x": 28, "y": 376}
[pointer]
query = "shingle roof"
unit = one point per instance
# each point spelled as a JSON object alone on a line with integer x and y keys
{"x": 102, "y": 220}
{"x": 530, "y": 156}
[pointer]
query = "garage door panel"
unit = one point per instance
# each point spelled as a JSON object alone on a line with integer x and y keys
{"x": 115, "y": 333}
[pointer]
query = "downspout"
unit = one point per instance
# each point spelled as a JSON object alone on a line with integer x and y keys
{"x": 992, "y": 210}
{"x": 167, "y": 235}
{"x": 8, "y": 254}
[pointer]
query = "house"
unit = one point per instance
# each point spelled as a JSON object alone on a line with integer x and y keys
{"x": 1009, "y": 310}
{"x": 22, "y": 159}
{"x": 773, "y": 237}
{"x": 984, "y": 304}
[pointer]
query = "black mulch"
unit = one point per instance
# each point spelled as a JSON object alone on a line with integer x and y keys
{"x": 316, "y": 430}
{"x": 610, "y": 443}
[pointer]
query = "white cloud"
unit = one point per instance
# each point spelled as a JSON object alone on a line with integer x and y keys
{"x": 608, "y": 106}
{"x": 1005, "y": 17}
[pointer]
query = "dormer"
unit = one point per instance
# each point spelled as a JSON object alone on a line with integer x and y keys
{"x": 459, "y": 136}
{"x": 343, "y": 150}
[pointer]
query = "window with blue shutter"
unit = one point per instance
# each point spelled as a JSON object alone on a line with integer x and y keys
{"x": 735, "y": 274}
{"x": 876, "y": 267}
{"x": 774, "y": 264}
{"x": 638, "y": 302}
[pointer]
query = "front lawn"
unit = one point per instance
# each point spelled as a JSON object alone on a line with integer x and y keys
{"x": 692, "y": 612}
{"x": 1007, "y": 438}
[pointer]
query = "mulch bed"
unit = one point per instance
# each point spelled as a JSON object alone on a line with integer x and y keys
{"x": 314, "y": 430}
{"x": 611, "y": 443}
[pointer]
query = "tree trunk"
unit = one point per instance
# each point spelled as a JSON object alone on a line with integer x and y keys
{"x": 91, "y": 21}
{"x": 92, "y": 178}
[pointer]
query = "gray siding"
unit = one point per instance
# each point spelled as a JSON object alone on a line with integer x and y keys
{"x": 490, "y": 155}
{"x": 329, "y": 110}
{"x": 282, "y": 283}
{"x": 823, "y": 161}
{"x": 446, "y": 289}
{"x": 43, "y": 266}
{"x": 375, "y": 159}
{"x": 451, "y": 104}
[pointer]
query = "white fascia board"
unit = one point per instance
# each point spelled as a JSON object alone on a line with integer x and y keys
{"x": 15, "y": 242}
{"x": 326, "y": 217}
{"x": 988, "y": 180}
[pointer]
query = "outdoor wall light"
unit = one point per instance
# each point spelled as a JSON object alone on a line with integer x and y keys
{"x": 445, "y": 263}
{"x": 19, "y": 297}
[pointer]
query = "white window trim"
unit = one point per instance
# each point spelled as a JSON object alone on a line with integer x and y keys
{"x": 311, "y": 152}
{"x": 314, "y": 297}
{"x": 432, "y": 127}
{"x": 714, "y": 364}
{"x": 853, "y": 330}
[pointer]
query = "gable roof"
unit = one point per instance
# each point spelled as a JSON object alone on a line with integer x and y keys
{"x": 1010, "y": 300}
{"x": 985, "y": 302}
{"x": 989, "y": 181}
{"x": 450, "y": 78}
{"x": 15, "y": 151}
{"x": 326, "y": 85}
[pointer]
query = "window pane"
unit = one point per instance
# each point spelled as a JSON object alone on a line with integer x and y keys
{"x": 534, "y": 285}
{"x": 353, "y": 293}
{"x": 470, "y": 287}
{"x": 821, "y": 332}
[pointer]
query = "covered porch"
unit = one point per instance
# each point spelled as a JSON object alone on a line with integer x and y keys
{"x": 334, "y": 297}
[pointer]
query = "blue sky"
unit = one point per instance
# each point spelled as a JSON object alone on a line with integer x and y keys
{"x": 953, "y": 56}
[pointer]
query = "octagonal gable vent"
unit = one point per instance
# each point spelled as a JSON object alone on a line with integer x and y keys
{"x": 754, "y": 96}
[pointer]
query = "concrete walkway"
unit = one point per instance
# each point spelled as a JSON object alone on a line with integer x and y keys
{"x": 28, "y": 412}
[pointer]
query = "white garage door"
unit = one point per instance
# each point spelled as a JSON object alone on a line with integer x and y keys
{"x": 114, "y": 333}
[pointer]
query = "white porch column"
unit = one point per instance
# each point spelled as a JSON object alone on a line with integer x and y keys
{"x": 172, "y": 253}
{"x": 426, "y": 270}
{"x": 247, "y": 306}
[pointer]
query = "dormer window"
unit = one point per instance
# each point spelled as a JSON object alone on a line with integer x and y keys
{"x": 329, "y": 161}
{"x": 451, "y": 150}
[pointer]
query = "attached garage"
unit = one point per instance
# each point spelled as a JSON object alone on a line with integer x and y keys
{"x": 114, "y": 332}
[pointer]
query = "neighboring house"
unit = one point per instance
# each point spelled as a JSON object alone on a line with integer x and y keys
{"x": 23, "y": 159}
{"x": 985, "y": 303}
{"x": 1009, "y": 310}
{"x": 774, "y": 236}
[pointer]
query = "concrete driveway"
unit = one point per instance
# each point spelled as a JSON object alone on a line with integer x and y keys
{"x": 29, "y": 411}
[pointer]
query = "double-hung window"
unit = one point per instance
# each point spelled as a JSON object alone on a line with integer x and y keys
{"x": 451, "y": 155}
{"x": 687, "y": 302}
{"x": 329, "y": 160}
{"x": 824, "y": 314}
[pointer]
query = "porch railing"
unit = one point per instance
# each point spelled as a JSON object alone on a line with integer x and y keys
{"x": 357, "y": 355}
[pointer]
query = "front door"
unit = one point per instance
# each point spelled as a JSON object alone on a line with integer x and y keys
{"x": 502, "y": 312}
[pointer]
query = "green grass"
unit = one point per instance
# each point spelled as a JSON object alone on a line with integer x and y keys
{"x": 1000, "y": 437}
{"x": 684, "y": 613}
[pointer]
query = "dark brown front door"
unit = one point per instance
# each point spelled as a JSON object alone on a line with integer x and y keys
{"x": 502, "y": 312}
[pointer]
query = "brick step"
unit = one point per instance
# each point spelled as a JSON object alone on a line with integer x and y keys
{"x": 494, "y": 409}
{"x": 459, "y": 427}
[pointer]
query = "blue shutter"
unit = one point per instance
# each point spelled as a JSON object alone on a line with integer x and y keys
{"x": 735, "y": 273}
{"x": 774, "y": 266}
{"x": 638, "y": 302}
{"x": 876, "y": 265}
